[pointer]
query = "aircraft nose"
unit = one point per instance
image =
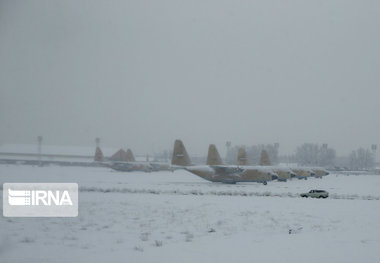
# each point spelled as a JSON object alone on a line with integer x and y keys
{"x": 274, "y": 176}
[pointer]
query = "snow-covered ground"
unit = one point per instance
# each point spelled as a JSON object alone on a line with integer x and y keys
{"x": 179, "y": 217}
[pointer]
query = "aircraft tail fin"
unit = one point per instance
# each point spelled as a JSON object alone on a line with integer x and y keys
{"x": 99, "y": 157}
{"x": 129, "y": 157}
{"x": 242, "y": 158}
{"x": 119, "y": 156}
{"x": 180, "y": 156}
{"x": 264, "y": 159}
{"x": 213, "y": 157}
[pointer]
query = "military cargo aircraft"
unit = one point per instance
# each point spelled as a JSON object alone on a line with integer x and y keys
{"x": 319, "y": 172}
{"x": 283, "y": 173}
{"x": 126, "y": 162}
{"x": 303, "y": 173}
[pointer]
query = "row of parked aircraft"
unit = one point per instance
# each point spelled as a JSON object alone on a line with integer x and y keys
{"x": 215, "y": 170}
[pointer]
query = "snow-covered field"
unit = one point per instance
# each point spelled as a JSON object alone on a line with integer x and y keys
{"x": 179, "y": 217}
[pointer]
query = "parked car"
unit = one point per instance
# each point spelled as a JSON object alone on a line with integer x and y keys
{"x": 315, "y": 194}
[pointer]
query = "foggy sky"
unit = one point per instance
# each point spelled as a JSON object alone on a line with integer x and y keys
{"x": 141, "y": 74}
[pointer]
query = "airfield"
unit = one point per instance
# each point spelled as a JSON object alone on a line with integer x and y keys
{"x": 179, "y": 217}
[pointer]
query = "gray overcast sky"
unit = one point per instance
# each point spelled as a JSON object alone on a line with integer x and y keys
{"x": 143, "y": 73}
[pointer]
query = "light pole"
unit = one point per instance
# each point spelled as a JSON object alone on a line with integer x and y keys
{"x": 39, "y": 139}
{"x": 276, "y": 147}
{"x": 374, "y": 149}
{"x": 228, "y": 145}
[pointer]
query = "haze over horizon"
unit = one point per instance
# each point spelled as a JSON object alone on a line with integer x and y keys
{"x": 140, "y": 74}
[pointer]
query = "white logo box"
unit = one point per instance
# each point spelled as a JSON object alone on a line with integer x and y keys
{"x": 40, "y": 199}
